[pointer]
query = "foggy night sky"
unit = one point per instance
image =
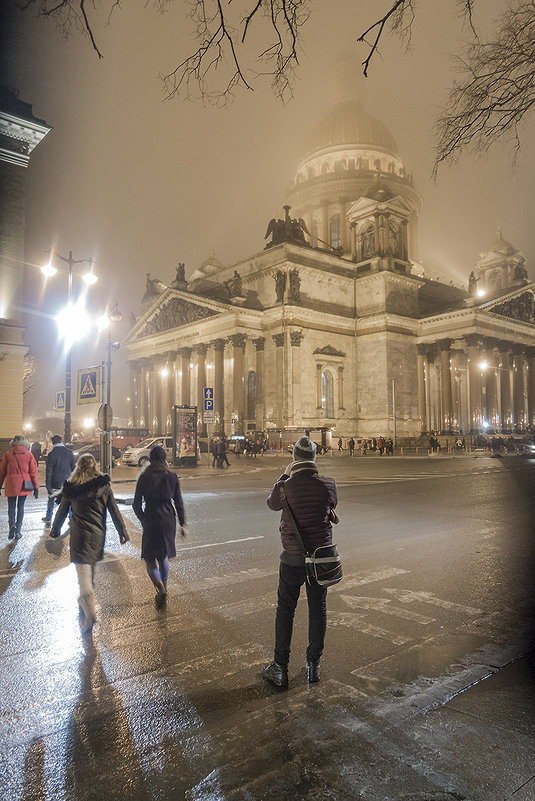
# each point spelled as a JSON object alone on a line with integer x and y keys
{"x": 140, "y": 184}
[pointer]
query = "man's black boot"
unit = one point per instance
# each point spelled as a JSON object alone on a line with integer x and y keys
{"x": 276, "y": 674}
{"x": 313, "y": 671}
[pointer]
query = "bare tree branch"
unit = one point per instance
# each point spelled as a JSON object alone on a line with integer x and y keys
{"x": 396, "y": 17}
{"x": 496, "y": 90}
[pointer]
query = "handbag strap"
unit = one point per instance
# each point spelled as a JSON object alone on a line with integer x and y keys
{"x": 289, "y": 512}
{"x": 18, "y": 463}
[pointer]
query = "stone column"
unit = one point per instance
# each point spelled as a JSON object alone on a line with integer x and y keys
{"x": 259, "y": 343}
{"x": 133, "y": 419}
{"x": 491, "y": 386}
{"x": 474, "y": 375}
{"x": 324, "y": 222}
{"x": 353, "y": 235}
{"x": 530, "y": 354}
{"x": 444, "y": 346}
{"x": 219, "y": 385}
{"x": 433, "y": 397}
{"x": 143, "y": 394}
{"x": 518, "y": 388}
{"x": 504, "y": 380}
{"x": 200, "y": 350}
{"x": 238, "y": 379}
{"x": 294, "y": 390}
{"x": 154, "y": 397}
{"x": 168, "y": 393}
{"x": 422, "y": 415}
{"x": 185, "y": 358}
{"x": 278, "y": 339}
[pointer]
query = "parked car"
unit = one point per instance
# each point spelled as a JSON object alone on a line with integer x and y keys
{"x": 94, "y": 450}
{"x": 139, "y": 454}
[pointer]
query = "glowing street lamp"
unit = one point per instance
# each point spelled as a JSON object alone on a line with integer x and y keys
{"x": 72, "y": 323}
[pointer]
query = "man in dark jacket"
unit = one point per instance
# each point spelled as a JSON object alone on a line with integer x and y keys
{"x": 60, "y": 463}
{"x": 312, "y": 499}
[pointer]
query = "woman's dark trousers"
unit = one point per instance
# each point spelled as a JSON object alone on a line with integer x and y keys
{"x": 15, "y": 511}
{"x": 290, "y": 580}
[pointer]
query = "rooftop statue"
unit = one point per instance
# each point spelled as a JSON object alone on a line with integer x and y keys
{"x": 235, "y": 285}
{"x": 287, "y": 230}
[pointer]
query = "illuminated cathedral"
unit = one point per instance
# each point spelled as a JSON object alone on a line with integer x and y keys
{"x": 333, "y": 324}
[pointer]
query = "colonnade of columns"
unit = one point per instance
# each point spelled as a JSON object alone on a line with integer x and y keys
{"x": 159, "y": 382}
{"x": 477, "y": 384}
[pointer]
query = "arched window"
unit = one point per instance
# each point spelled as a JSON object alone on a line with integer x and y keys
{"x": 251, "y": 395}
{"x": 377, "y": 164}
{"x": 335, "y": 231}
{"x": 327, "y": 393}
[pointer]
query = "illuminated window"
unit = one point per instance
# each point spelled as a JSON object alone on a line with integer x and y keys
{"x": 335, "y": 231}
{"x": 327, "y": 393}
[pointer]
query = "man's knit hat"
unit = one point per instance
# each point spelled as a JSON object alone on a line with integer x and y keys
{"x": 304, "y": 450}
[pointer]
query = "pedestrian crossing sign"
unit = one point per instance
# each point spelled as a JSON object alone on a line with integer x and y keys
{"x": 60, "y": 400}
{"x": 89, "y": 385}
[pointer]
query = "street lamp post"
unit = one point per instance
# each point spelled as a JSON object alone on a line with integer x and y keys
{"x": 106, "y": 414}
{"x": 90, "y": 278}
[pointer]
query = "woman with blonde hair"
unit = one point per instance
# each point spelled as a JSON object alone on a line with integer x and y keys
{"x": 88, "y": 494}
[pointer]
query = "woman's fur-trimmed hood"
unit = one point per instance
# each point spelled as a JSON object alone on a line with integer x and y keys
{"x": 71, "y": 490}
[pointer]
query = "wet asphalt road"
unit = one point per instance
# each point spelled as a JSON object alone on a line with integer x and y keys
{"x": 168, "y": 704}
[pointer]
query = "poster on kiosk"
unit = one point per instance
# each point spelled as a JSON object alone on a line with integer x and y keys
{"x": 185, "y": 436}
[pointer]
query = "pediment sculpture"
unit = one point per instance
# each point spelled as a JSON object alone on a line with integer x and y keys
{"x": 175, "y": 313}
{"x": 520, "y": 308}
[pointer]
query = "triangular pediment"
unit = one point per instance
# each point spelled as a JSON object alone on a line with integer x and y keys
{"x": 518, "y": 305}
{"x": 328, "y": 350}
{"x": 365, "y": 206}
{"x": 173, "y": 309}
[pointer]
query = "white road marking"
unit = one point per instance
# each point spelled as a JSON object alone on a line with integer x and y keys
{"x": 410, "y": 596}
{"x": 215, "y": 544}
{"x": 360, "y": 579}
{"x": 383, "y": 605}
{"x": 248, "y": 607}
{"x": 352, "y": 621}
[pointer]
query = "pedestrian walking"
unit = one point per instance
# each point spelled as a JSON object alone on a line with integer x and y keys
{"x": 312, "y": 499}
{"x": 213, "y": 450}
{"x": 87, "y": 493}
{"x": 222, "y": 453}
{"x": 36, "y": 451}
{"x": 340, "y": 445}
{"x": 351, "y": 444}
{"x": 18, "y": 469}
{"x": 158, "y": 503}
{"x": 60, "y": 463}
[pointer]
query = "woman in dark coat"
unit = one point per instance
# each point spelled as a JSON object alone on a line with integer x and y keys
{"x": 88, "y": 494}
{"x": 158, "y": 503}
{"x": 16, "y": 467}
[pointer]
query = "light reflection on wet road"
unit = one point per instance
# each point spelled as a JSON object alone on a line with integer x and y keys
{"x": 169, "y": 704}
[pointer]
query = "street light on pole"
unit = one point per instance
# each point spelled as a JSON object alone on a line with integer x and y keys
{"x": 106, "y": 414}
{"x": 70, "y": 323}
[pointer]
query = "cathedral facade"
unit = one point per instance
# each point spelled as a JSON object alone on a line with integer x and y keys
{"x": 333, "y": 324}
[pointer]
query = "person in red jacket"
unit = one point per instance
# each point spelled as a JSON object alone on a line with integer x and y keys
{"x": 312, "y": 499}
{"x": 17, "y": 466}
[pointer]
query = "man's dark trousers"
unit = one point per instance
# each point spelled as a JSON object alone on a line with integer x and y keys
{"x": 290, "y": 580}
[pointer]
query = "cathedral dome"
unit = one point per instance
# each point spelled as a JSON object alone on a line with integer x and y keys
{"x": 348, "y": 125}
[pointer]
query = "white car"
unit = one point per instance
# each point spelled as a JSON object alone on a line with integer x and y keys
{"x": 139, "y": 454}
